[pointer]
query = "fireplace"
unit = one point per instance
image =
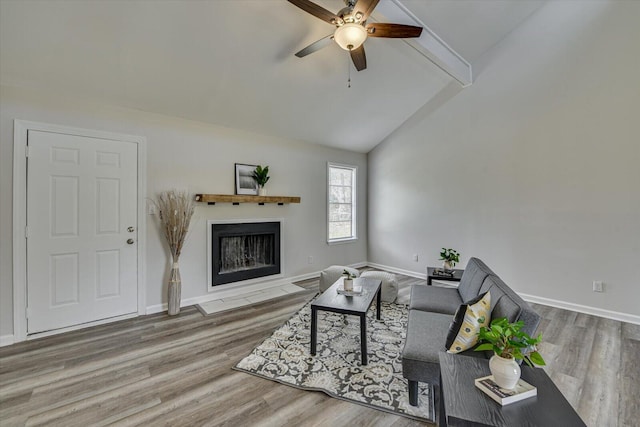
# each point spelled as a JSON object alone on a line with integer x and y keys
{"x": 243, "y": 251}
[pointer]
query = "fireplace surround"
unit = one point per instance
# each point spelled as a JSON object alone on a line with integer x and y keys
{"x": 242, "y": 251}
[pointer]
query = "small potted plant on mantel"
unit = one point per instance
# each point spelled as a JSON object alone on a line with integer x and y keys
{"x": 261, "y": 175}
{"x": 509, "y": 343}
{"x": 450, "y": 258}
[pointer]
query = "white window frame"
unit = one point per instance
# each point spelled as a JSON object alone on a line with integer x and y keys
{"x": 354, "y": 210}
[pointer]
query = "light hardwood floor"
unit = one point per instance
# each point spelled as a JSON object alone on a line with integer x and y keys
{"x": 161, "y": 370}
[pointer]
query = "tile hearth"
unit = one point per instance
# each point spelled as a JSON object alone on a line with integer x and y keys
{"x": 248, "y": 298}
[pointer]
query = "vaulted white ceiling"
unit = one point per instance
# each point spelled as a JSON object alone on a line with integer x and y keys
{"x": 231, "y": 63}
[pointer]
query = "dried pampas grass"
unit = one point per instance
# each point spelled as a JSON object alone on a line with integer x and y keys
{"x": 175, "y": 209}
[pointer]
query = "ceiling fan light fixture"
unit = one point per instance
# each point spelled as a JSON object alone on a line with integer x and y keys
{"x": 350, "y": 36}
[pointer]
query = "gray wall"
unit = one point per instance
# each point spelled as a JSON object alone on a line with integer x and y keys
{"x": 535, "y": 168}
{"x": 199, "y": 157}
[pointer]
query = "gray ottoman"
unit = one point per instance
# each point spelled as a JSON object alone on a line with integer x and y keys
{"x": 389, "y": 284}
{"x": 330, "y": 275}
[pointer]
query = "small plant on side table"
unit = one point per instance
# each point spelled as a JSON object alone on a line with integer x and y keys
{"x": 509, "y": 343}
{"x": 450, "y": 257}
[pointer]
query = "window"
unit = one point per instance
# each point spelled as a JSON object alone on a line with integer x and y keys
{"x": 341, "y": 202}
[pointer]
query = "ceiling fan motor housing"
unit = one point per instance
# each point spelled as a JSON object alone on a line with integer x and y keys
{"x": 350, "y": 35}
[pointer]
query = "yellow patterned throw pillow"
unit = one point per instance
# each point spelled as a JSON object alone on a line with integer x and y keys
{"x": 470, "y": 317}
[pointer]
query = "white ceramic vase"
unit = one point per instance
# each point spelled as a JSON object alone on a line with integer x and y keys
{"x": 348, "y": 284}
{"x": 262, "y": 191}
{"x": 446, "y": 266}
{"x": 506, "y": 372}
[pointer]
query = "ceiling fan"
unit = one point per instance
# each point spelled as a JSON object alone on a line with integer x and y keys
{"x": 352, "y": 28}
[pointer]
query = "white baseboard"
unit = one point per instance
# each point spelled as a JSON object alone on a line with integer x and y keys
{"x": 595, "y": 311}
{"x": 305, "y": 276}
{"x": 226, "y": 293}
{"x": 159, "y": 308}
{"x": 409, "y": 273}
{"x": 356, "y": 265}
{"x": 6, "y": 340}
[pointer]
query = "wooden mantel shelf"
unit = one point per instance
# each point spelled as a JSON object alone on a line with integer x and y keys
{"x": 212, "y": 199}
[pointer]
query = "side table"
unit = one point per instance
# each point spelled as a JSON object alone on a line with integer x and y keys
{"x": 463, "y": 404}
{"x": 457, "y": 275}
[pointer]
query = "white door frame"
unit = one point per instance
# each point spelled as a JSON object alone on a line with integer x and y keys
{"x": 20, "y": 128}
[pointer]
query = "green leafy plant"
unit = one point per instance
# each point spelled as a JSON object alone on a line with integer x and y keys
{"x": 348, "y": 275}
{"x": 261, "y": 175}
{"x": 450, "y": 255}
{"x": 508, "y": 340}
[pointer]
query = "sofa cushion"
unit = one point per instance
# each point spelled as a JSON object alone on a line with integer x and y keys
{"x": 507, "y": 308}
{"x": 474, "y": 274}
{"x": 495, "y": 285}
{"x": 435, "y": 299}
{"x": 426, "y": 335}
{"x": 470, "y": 317}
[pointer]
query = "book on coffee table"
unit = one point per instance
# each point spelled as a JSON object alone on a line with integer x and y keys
{"x": 357, "y": 290}
{"x": 445, "y": 273}
{"x": 505, "y": 396}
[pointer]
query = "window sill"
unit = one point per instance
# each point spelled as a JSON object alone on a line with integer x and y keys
{"x": 342, "y": 241}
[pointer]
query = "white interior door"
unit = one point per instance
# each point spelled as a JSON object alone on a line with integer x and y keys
{"x": 82, "y": 230}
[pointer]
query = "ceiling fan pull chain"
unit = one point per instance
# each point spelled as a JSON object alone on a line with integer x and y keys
{"x": 349, "y": 72}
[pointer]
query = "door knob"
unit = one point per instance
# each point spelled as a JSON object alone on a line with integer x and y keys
{"x": 130, "y": 229}
{"x": 130, "y": 241}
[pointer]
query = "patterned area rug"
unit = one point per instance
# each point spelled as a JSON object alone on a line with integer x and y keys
{"x": 336, "y": 368}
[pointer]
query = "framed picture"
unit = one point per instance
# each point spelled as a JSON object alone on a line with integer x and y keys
{"x": 245, "y": 184}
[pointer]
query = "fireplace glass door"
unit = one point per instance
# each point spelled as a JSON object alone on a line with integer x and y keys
{"x": 244, "y": 251}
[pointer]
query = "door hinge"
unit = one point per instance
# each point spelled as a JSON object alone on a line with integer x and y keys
{"x": 28, "y": 312}
{"x": 26, "y": 232}
{"x": 26, "y": 151}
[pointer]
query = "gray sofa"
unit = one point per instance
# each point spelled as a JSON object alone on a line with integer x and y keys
{"x": 431, "y": 311}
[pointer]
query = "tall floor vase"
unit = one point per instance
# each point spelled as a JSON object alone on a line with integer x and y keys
{"x": 175, "y": 289}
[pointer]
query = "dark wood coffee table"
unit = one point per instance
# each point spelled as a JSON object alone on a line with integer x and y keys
{"x": 463, "y": 404}
{"x": 356, "y": 305}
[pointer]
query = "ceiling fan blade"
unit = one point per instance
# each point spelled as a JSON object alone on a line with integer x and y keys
{"x": 393, "y": 30}
{"x": 315, "y": 10}
{"x": 365, "y": 7}
{"x": 359, "y": 58}
{"x": 317, "y": 45}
